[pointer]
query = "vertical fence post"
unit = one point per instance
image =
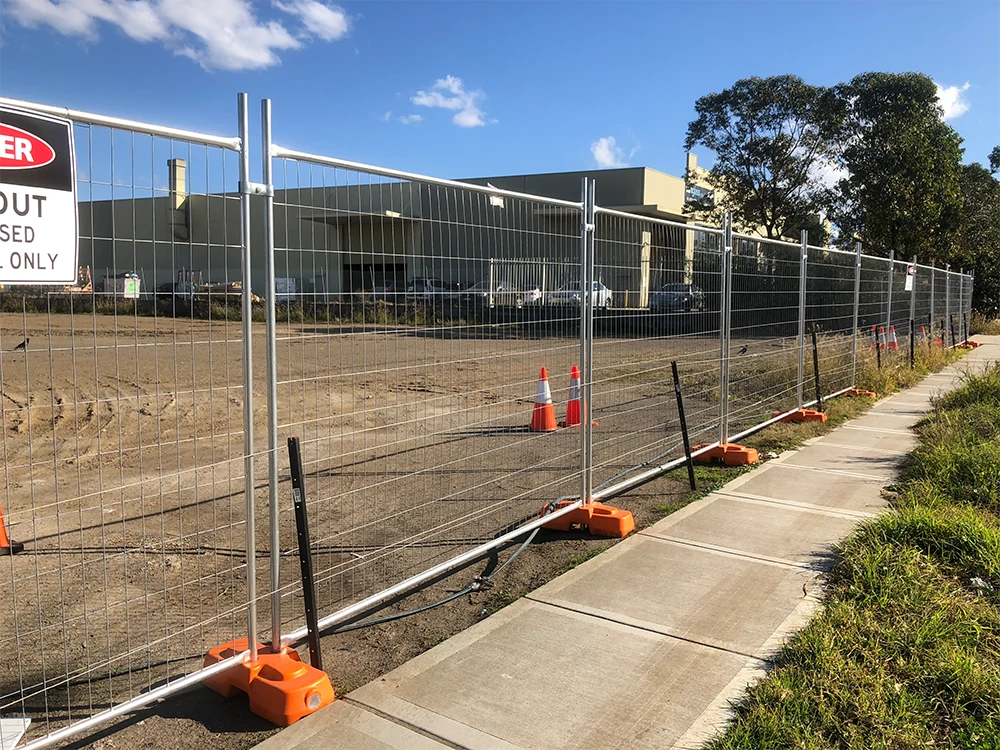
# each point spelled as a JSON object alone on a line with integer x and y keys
{"x": 857, "y": 305}
{"x": 913, "y": 306}
{"x": 930, "y": 316}
{"x": 587, "y": 230}
{"x": 272, "y": 375}
{"x": 725, "y": 313}
{"x": 247, "y": 310}
{"x": 961, "y": 301}
{"x": 947, "y": 296}
{"x": 803, "y": 261}
{"x": 888, "y": 304}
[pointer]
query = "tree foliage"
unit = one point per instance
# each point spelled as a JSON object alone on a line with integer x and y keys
{"x": 979, "y": 236}
{"x": 995, "y": 160}
{"x": 903, "y": 162}
{"x": 768, "y": 135}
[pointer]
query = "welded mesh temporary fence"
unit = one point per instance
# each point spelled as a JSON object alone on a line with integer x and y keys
{"x": 410, "y": 340}
{"x": 122, "y": 435}
{"x": 657, "y": 298}
{"x": 402, "y": 324}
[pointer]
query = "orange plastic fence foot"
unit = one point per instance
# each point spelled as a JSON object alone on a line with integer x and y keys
{"x": 856, "y": 393}
{"x": 282, "y": 689}
{"x": 730, "y": 454}
{"x": 601, "y": 520}
{"x": 803, "y": 415}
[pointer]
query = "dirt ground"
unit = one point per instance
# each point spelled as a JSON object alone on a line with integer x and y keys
{"x": 123, "y": 475}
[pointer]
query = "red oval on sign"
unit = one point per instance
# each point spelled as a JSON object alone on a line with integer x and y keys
{"x": 19, "y": 149}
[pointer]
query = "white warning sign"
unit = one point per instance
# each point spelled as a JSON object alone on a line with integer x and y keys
{"x": 38, "y": 213}
{"x": 911, "y": 274}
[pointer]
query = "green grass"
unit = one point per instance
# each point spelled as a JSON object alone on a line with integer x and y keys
{"x": 906, "y": 652}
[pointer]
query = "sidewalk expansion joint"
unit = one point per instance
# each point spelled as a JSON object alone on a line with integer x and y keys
{"x": 886, "y": 430}
{"x": 900, "y": 454}
{"x": 693, "y": 641}
{"x": 841, "y": 472}
{"x": 777, "y": 562}
{"x": 402, "y": 723}
{"x": 826, "y": 510}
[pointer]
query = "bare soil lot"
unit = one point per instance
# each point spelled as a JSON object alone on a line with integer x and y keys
{"x": 122, "y": 471}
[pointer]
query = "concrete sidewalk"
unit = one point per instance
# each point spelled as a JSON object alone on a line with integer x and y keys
{"x": 645, "y": 645}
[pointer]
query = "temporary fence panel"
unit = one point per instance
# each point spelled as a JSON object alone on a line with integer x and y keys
{"x": 123, "y": 441}
{"x": 830, "y": 304}
{"x": 410, "y": 369}
{"x": 658, "y": 300}
{"x": 764, "y": 340}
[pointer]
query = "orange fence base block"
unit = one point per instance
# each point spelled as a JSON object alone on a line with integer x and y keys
{"x": 730, "y": 454}
{"x": 602, "y": 520}
{"x": 804, "y": 415}
{"x": 967, "y": 345}
{"x": 281, "y": 687}
{"x": 856, "y": 393}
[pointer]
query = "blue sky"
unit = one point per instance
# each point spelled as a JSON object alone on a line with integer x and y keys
{"x": 499, "y": 88}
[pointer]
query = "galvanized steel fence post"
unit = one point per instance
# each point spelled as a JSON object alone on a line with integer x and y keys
{"x": 272, "y": 375}
{"x": 888, "y": 299}
{"x": 961, "y": 304}
{"x": 930, "y": 316}
{"x": 913, "y": 303}
{"x": 947, "y": 297}
{"x": 587, "y": 231}
{"x": 854, "y": 324}
{"x": 803, "y": 263}
{"x": 247, "y": 311}
{"x": 725, "y": 320}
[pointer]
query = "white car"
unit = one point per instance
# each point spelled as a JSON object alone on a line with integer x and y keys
{"x": 570, "y": 295}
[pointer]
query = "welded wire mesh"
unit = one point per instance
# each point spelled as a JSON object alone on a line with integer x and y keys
{"x": 763, "y": 346}
{"x": 830, "y": 314}
{"x": 122, "y": 436}
{"x": 658, "y": 285}
{"x": 413, "y": 319}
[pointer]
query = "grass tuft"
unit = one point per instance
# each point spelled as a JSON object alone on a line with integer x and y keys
{"x": 906, "y": 653}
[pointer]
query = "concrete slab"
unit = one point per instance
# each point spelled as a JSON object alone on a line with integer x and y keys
{"x": 702, "y": 595}
{"x": 866, "y": 436}
{"x": 548, "y": 679}
{"x": 760, "y": 528}
{"x": 838, "y": 492}
{"x": 344, "y": 726}
{"x": 882, "y": 464}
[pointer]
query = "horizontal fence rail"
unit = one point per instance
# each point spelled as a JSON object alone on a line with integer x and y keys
{"x": 398, "y": 325}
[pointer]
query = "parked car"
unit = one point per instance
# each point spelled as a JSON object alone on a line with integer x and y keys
{"x": 677, "y": 298}
{"x": 430, "y": 289}
{"x": 570, "y": 295}
{"x": 385, "y": 293}
{"x": 504, "y": 294}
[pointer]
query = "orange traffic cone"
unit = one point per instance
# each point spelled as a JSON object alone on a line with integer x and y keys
{"x": 543, "y": 417}
{"x": 574, "y": 407}
{"x": 923, "y": 335}
{"x": 874, "y": 340}
{"x": 893, "y": 345}
{"x": 881, "y": 338}
{"x": 7, "y": 547}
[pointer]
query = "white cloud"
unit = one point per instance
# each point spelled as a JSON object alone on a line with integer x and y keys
{"x": 386, "y": 117}
{"x": 449, "y": 93}
{"x": 407, "y": 119}
{"x": 328, "y": 22}
{"x": 217, "y": 34}
{"x": 952, "y": 101}
{"x": 827, "y": 174}
{"x": 607, "y": 154}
